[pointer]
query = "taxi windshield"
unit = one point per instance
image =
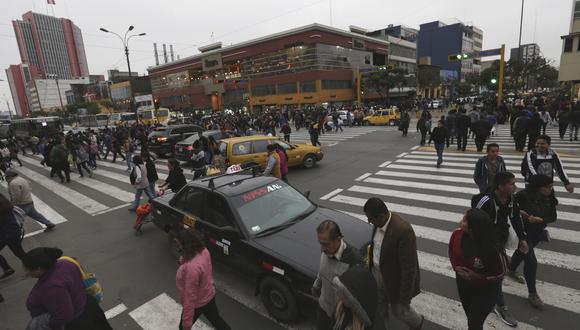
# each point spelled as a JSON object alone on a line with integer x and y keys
{"x": 270, "y": 206}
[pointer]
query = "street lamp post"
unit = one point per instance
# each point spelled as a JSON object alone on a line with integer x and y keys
{"x": 125, "y": 40}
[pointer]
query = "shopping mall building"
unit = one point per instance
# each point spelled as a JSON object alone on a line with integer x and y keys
{"x": 310, "y": 65}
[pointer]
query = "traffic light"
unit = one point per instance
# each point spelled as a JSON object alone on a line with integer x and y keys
{"x": 493, "y": 81}
{"x": 458, "y": 57}
{"x": 156, "y": 103}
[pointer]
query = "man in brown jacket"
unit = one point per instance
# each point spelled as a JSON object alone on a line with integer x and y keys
{"x": 393, "y": 261}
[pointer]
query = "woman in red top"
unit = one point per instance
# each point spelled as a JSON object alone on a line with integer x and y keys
{"x": 479, "y": 265}
{"x": 195, "y": 283}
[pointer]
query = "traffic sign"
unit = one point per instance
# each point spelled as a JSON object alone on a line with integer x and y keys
{"x": 490, "y": 52}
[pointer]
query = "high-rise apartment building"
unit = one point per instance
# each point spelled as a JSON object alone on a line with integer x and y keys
{"x": 54, "y": 46}
{"x": 529, "y": 52}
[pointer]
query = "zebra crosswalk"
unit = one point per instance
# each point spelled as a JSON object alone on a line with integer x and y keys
{"x": 331, "y": 139}
{"x": 434, "y": 199}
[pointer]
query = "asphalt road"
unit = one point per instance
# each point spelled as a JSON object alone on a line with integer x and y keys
{"x": 138, "y": 272}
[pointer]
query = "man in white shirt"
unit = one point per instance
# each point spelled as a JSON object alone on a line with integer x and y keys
{"x": 394, "y": 263}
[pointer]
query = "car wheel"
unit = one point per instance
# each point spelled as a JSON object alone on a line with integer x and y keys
{"x": 278, "y": 300}
{"x": 309, "y": 161}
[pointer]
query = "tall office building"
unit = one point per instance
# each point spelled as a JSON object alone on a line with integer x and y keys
{"x": 570, "y": 59}
{"x": 438, "y": 40}
{"x": 54, "y": 46}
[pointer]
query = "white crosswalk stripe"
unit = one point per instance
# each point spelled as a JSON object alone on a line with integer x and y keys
{"x": 433, "y": 199}
{"x": 329, "y": 139}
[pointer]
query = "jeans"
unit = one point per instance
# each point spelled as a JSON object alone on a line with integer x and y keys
{"x": 477, "y": 301}
{"x": 34, "y": 214}
{"x": 212, "y": 314}
{"x": 129, "y": 159}
{"x": 439, "y": 148}
{"x": 287, "y": 138}
{"x": 480, "y": 142}
{"x": 573, "y": 131}
{"x": 138, "y": 194}
{"x": 15, "y": 246}
{"x": 520, "y": 139}
{"x": 530, "y": 265}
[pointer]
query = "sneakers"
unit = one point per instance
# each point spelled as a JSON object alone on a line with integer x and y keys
{"x": 504, "y": 315}
{"x": 7, "y": 274}
{"x": 49, "y": 227}
{"x": 535, "y": 301}
{"x": 516, "y": 276}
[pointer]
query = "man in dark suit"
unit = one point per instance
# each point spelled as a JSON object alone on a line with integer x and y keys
{"x": 394, "y": 263}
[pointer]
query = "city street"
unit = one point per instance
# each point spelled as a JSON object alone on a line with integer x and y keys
{"x": 138, "y": 271}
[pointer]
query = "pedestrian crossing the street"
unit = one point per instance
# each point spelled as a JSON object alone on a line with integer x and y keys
{"x": 331, "y": 138}
{"x": 502, "y": 136}
{"x": 434, "y": 200}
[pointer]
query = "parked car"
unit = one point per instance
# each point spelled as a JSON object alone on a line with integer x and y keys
{"x": 251, "y": 150}
{"x": 389, "y": 117}
{"x": 264, "y": 229}
{"x": 184, "y": 149}
{"x": 162, "y": 140}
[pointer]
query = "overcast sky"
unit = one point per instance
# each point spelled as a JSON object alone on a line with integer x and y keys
{"x": 189, "y": 23}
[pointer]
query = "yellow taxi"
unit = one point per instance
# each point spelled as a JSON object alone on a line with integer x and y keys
{"x": 253, "y": 150}
{"x": 389, "y": 117}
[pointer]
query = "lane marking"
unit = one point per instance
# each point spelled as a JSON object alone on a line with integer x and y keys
{"x": 111, "y": 313}
{"x": 415, "y": 147}
{"x": 100, "y": 186}
{"x": 402, "y": 154}
{"x": 385, "y": 164}
{"x": 362, "y": 177}
{"x": 445, "y": 157}
{"x": 77, "y": 199}
{"x": 162, "y": 312}
{"x": 546, "y": 257}
{"x": 477, "y": 156}
{"x": 113, "y": 209}
{"x": 332, "y": 193}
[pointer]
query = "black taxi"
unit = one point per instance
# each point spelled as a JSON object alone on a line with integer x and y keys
{"x": 263, "y": 228}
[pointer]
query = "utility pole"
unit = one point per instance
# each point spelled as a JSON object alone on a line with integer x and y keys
{"x": 520, "y": 40}
{"x": 58, "y": 89}
{"x": 501, "y": 74}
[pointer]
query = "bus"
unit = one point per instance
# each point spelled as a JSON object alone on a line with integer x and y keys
{"x": 40, "y": 127}
{"x": 128, "y": 117}
{"x": 99, "y": 120}
{"x": 151, "y": 117}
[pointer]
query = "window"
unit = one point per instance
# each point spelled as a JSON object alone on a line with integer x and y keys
{"x": 242, "y": 148}
{"x": 568, "y": 44}
{"x": 260, "y": 146}
{"x": 308, "y": 86}
{"x": 577, "y": 9}
{"x": 218, "y": 211}
{"x": 336, "y": 84}
{"x": 289, "y": 88}
{"x": 190, "y": 200}
{"x": 264, "y": 90}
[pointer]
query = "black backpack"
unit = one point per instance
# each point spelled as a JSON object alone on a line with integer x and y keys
{"x": 133, "y": 175}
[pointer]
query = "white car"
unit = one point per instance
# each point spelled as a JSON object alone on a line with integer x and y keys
{"x": 436, "y": 104}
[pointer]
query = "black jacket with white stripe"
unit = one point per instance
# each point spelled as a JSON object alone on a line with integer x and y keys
{"x": 534, "y": 163}
{"x": 499, "y": 214}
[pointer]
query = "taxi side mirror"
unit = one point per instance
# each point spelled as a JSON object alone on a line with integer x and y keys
{"x": 307, "y": 193}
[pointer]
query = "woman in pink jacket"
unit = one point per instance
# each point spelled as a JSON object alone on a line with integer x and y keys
{"x": 195, "y": 283}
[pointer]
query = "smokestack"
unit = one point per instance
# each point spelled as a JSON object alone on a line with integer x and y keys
{"x": 171, "y": 53}
{"x": 156, "y": 53}
{"x": 164, "y": 54}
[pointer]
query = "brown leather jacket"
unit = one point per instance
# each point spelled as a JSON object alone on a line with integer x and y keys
{"x": 399, "y": 262}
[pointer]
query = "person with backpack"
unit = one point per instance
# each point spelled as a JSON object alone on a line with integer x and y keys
{"x": 59, "y": 298}
{"x": 500, "y": 204}
{"x": 59, "y": 159}
{"x": 20, "y": 195}
{"x": 82, "y": 157}
{"x": 93, "y": 150}
{"x": 152, "y": 175}
{"x": 423, "y": 128}
{"x": 538, "y": 208}
{"x": 544, "y": 160}
{"x": 139, "y": 180}
{"x": 404, "y": 123}
{"x": 479, "y": 266}
{"x": 10, "y": 234}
